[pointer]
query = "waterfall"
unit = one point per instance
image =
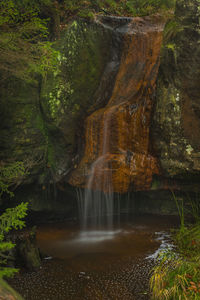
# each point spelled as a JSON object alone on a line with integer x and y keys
{"x": 96, "y": 203}
{"x": 117, "y": 154}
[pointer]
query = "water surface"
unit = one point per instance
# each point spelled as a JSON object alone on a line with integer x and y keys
{"x": 97, "y": 264}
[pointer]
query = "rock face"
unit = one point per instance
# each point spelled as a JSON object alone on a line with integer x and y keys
{"x": 106, "y": 114}
{"x": 118, "y": 147}
{"x": 26, "y": 251}
{"x": 21, "y": 137}
{"x": 41, "y": 122}
{"x": 176, "y": 115}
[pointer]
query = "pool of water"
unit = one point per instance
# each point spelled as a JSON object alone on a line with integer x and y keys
{"x": 96, "y": 264}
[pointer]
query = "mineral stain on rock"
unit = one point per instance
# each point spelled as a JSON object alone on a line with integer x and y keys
{"x": 123, "y": 124}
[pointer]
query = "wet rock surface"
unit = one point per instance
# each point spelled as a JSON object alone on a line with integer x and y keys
{"x": 108, "y": 71}
{"x": 42, "y": 123}
{"x": 118, "y": 134}
{"x": 176, "y": 122}
{"x": 26, "y": 252}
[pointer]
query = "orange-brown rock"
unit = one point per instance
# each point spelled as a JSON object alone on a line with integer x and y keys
{"x": 117, "y": 145}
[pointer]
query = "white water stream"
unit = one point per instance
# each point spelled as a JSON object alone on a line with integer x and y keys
{"x": 96, "y": 202}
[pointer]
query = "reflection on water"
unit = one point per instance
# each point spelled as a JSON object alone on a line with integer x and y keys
{"x": 98, "y": 264}
{"x": 130, "y": 239}
{"x": 94, "y": 236}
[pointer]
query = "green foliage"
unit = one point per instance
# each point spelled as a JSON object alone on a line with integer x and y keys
{"x": 172, "y": 28}
{"x": 9, "y": 174}
{"x": 119, "y": 8}
{"x": 170, "y": 49}
{"x": 180, "y": 208}
{"x": 195, "y": 208}
{"x": 144, "y": 7}
{"x": 12, "y": 218}
{"x": 188, "y": 241}
{"x": 177, "y": 273}
{"x": 49, "y": 59}
{"x": 27, "y": 26}
{"x": 7, "y": 292}
{"x": 176, "y": 278}
{"x": 24, "y": 49}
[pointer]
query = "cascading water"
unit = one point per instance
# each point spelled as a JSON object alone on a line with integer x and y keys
{"x": 118, "y": 154}
{"x": 96, "y": 203}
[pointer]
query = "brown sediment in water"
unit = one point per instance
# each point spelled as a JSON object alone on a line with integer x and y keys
{"x": 112, "y": 269}
{"x": 119, "y": 132}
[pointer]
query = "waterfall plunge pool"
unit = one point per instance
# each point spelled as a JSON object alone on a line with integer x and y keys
{"x": 97, "y": 264}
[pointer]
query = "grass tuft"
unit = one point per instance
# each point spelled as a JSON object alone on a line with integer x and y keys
{"x": 176, "y": 275}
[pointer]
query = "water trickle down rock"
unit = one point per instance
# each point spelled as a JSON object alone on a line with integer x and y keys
{"x": 117, "y": 136}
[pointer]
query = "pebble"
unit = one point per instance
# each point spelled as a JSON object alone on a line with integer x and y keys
{"x": 126, "y": 279}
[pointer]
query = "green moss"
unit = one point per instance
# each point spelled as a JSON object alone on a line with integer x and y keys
{"x": 49, "y": 148}
{"x": 19, "y": 138}
{"x": 51, "y": 155}
{"x": 120, "y": 8}
{"x": 67, "y": 96}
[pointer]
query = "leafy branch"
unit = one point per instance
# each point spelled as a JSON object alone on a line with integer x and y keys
{"x": 12, "y": 218}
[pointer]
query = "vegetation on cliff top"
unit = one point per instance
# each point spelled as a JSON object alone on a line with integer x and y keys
{"x": 28, "y": 29}
{"x": 130, "y": 8}
{"x": 24, "y": 46}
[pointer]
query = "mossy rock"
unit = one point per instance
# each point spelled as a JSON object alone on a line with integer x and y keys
{"x": 176, "y": 126}
{"x": 27, "y": 253}
{"x": 69, "y": 92}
